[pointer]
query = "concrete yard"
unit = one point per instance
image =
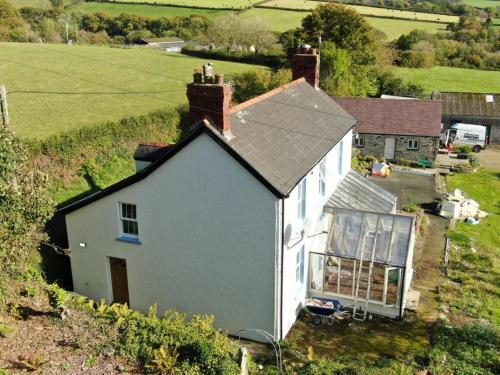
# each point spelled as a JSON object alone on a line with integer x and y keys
{"x": 420, "y": 188}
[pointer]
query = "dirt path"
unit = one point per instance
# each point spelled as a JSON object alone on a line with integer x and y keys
{"x": 428, "y": 275}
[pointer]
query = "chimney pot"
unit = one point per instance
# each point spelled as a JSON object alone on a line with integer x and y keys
{"x": 219, "y": 78}
{"x": 208, "y": 72}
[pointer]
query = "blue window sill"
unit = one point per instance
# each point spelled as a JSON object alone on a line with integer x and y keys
{"x": 129, "y": 240}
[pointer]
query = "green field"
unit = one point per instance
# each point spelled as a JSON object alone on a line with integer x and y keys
{"x": 282, "y": 20}
{"x": 483, "y": 3}
{"x": 453, "y": 79}
{"x": 58, "y": 87}
{"x": 229, "y": 4}
{"x": 395, "y": 28}
{"x": 367, "y": 11}
{"x": 146, "y": 10}
{"x": 30, "y": 3}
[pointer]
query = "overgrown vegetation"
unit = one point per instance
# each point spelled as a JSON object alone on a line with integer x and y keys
{"x": 471, "y": 43}
{"x": 87, "y": 159}
{"x": 257, "y": 82}
{"x": 25, "y": 205}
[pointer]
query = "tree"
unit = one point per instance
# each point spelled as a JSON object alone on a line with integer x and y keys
{"x": 257, "y": 82}
{"x": 389, "y": 84}
{"x": 235, "y": 32}
{"x": 12, "y": 27}
{"x": 340, "y": 77}
{"x": 343, "y": 26}
{"x": 25, "y": 205}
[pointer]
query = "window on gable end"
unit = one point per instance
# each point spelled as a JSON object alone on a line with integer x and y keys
{"x": 129, "y": 226}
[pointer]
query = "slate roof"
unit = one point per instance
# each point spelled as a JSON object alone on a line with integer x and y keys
{"x": 278, "y": 137}
{"x": 468, "y": 104}
{"x": 286, "y": 132}
{"x": 394, "y": 116}
{"x": 358, "y": 193}
{"x": 150, "y": 151}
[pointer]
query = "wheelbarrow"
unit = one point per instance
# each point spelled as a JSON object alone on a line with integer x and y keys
{"x": 325, "y": 310}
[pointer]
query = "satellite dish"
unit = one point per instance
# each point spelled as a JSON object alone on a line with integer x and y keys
{"x": 307, "y": 227}
{"x": 288, "y": 233}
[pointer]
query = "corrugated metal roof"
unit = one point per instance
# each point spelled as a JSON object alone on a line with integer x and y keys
{"x": 358, "y": 193}
{"x": 469, "y": 104}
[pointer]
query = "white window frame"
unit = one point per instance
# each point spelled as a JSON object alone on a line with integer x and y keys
{"x": 322, "y": 178}
{"x": 123, "y": 218}
{"x": 302, "y": 199}
{"x": 413, "y": 144}
{"x": 359, "y": 141}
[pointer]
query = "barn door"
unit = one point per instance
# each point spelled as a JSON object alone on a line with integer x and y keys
{"x": 119, "y": 281}
{"x": 390, "y": 148}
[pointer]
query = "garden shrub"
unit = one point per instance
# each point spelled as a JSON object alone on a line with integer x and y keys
{"x": 468, "y": 350}
{"x": 473, "y": 161}
{"x": 197, "y": 346}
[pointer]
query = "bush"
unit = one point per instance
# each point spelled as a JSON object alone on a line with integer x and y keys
{"x": 257, "y": 82}
{"x": 25, "y": 205}
{"x": 196, "y": 346}
{"x": 474, "y": 161}
{"x": 465, "y": 149}
{"x": 471, "y": 349}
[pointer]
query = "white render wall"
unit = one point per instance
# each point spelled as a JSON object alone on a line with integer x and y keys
{"x": 208, "y": 232}
{"x": 293, "y": 294}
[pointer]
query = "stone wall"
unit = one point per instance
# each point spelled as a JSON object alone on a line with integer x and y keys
{"x": 374, "y": 145}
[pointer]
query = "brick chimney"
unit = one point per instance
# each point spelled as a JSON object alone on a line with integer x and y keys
{"x": 209, "y": 97}
{"x": 305, "y": 63}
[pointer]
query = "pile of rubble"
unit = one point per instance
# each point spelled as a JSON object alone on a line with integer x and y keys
{"x": 456, "y": 206}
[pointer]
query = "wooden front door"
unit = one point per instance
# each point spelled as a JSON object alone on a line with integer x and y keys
{"x": 119, "y": 280}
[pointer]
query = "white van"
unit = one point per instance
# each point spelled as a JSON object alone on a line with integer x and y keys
{"x": 466, "y": 134}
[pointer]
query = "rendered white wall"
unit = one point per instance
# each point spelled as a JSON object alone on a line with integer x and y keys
{"x": 208, "y": 232}
{"x": 292, "y": 297}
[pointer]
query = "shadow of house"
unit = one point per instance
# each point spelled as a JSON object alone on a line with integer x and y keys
{"x": 55, "y": 264}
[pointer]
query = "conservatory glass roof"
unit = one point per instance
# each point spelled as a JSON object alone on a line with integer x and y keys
{"x": 362, "y": 235}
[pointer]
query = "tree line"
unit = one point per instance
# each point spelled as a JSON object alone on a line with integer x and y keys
{"x": 471, "y": 43}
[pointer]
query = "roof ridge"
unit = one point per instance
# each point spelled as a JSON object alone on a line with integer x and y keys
{"x": 407, "y": 99}
{"x": 266, "y": 95}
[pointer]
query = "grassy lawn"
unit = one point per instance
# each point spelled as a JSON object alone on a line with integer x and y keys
{"x": 475, "y": 258}
{"x": 146, "y": 10}
{"x": 229, "y": 4}
{"x": 366, "y": 10}
{"x": 453, "y": 79}
{"x": 483, "y": 187}
{"x": 370, "y": 340}
{"x": 57, "y": 87}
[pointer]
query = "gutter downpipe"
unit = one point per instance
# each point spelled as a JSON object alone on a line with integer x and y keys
{"x": 282, "y": 264}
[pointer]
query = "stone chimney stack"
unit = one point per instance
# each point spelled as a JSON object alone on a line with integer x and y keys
{"x": 305, "y": 63}
{"x": 209, "y": 97}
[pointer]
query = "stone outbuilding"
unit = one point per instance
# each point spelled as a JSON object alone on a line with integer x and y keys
{"x": 395, "y": 129}
{"x": 471, "y": 108}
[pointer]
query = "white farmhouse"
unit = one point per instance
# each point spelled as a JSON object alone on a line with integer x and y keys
{"x": 225, "y": 221}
